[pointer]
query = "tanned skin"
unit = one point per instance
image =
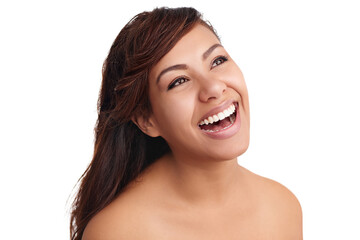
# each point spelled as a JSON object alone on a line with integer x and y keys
{"x": 198, "y": 191}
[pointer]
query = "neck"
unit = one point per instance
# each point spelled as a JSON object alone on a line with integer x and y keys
{"x": 205, "y": 182}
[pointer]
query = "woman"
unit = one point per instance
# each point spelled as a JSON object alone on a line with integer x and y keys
{"x": 173, "y": 117}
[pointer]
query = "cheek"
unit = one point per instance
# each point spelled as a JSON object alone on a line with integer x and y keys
{"x": 235, "y": 80}
{"x": 173, "y": 113}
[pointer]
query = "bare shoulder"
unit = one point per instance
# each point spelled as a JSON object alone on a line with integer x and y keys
{"x": 127, "y": 217}
{"x": 113, "y": 222}
{"x": 275, "y": 192}
{"x": 134, "y": 214}
{"x": 277, "y": 204}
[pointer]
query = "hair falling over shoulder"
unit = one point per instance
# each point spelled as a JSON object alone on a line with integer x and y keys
{"x": 121, "y": 150}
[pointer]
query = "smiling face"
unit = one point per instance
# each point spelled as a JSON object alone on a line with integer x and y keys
{"x": 199, "y": 100}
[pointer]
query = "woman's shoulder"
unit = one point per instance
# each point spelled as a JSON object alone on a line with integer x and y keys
{"x": 270, "y": 188}
{"x": 129, "y": 216}
{"x": 116, "y": 221}
{"x": 276, "y": 203}
{"x": 274, "y": 191}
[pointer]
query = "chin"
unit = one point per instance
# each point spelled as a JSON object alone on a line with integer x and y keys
{"x": 226, "y": 154}
{"x": 241, "y": 148}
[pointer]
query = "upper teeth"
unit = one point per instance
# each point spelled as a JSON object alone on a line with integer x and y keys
{"x": 219, "y": 116}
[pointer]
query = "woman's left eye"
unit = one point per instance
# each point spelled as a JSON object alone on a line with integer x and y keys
{"x": 218, "y": 61}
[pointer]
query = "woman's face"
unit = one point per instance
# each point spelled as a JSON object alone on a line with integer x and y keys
{"x": 192, "y": 88}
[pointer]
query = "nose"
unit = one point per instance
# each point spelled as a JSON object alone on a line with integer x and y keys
{"x": 211, "y": 88}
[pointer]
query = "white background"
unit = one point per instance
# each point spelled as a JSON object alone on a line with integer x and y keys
{"x": 301, "y": 61}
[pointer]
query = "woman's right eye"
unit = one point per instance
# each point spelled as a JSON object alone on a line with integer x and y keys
{"x": 177, "y": 82}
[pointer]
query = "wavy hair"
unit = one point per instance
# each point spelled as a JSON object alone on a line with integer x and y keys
{"x": 121, "y": 149}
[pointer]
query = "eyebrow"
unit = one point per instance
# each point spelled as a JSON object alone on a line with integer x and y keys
{"x": 205, "y": 55}
{"x": 175, "y": 67}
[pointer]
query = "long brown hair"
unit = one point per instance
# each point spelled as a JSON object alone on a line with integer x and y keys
{"x": 121, "y": 150}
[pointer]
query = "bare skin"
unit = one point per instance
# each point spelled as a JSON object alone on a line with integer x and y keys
{"x": 198, "y": 191}
{"x": 241, "y": 205}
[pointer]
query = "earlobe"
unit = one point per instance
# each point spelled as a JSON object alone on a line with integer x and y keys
{"x": 146, "y": 125}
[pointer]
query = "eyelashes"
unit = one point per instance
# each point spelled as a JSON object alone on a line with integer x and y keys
{"x": 177, "y": 82}
{"x": 182, "y": 79}
{"x": 219, "y": 60}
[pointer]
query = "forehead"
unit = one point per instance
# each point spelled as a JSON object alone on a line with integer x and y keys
{"x": 191, "y": 46}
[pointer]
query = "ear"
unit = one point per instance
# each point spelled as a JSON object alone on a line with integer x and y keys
{"x": 147, "y": 125}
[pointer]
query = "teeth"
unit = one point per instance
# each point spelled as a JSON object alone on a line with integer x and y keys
{"x": 232, "y": 120}
{"x": 220, "y": 116}
{"x": 211, "y": 120}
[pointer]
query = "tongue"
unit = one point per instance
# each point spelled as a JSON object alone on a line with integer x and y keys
{"x": 218, "y": 125}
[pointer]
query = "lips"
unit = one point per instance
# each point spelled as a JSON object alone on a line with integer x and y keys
{"x": 219, "y": 118}
{"x": 222, "y": 129}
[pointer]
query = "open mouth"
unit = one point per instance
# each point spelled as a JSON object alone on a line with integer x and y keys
{"x": 219, "y": 121}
